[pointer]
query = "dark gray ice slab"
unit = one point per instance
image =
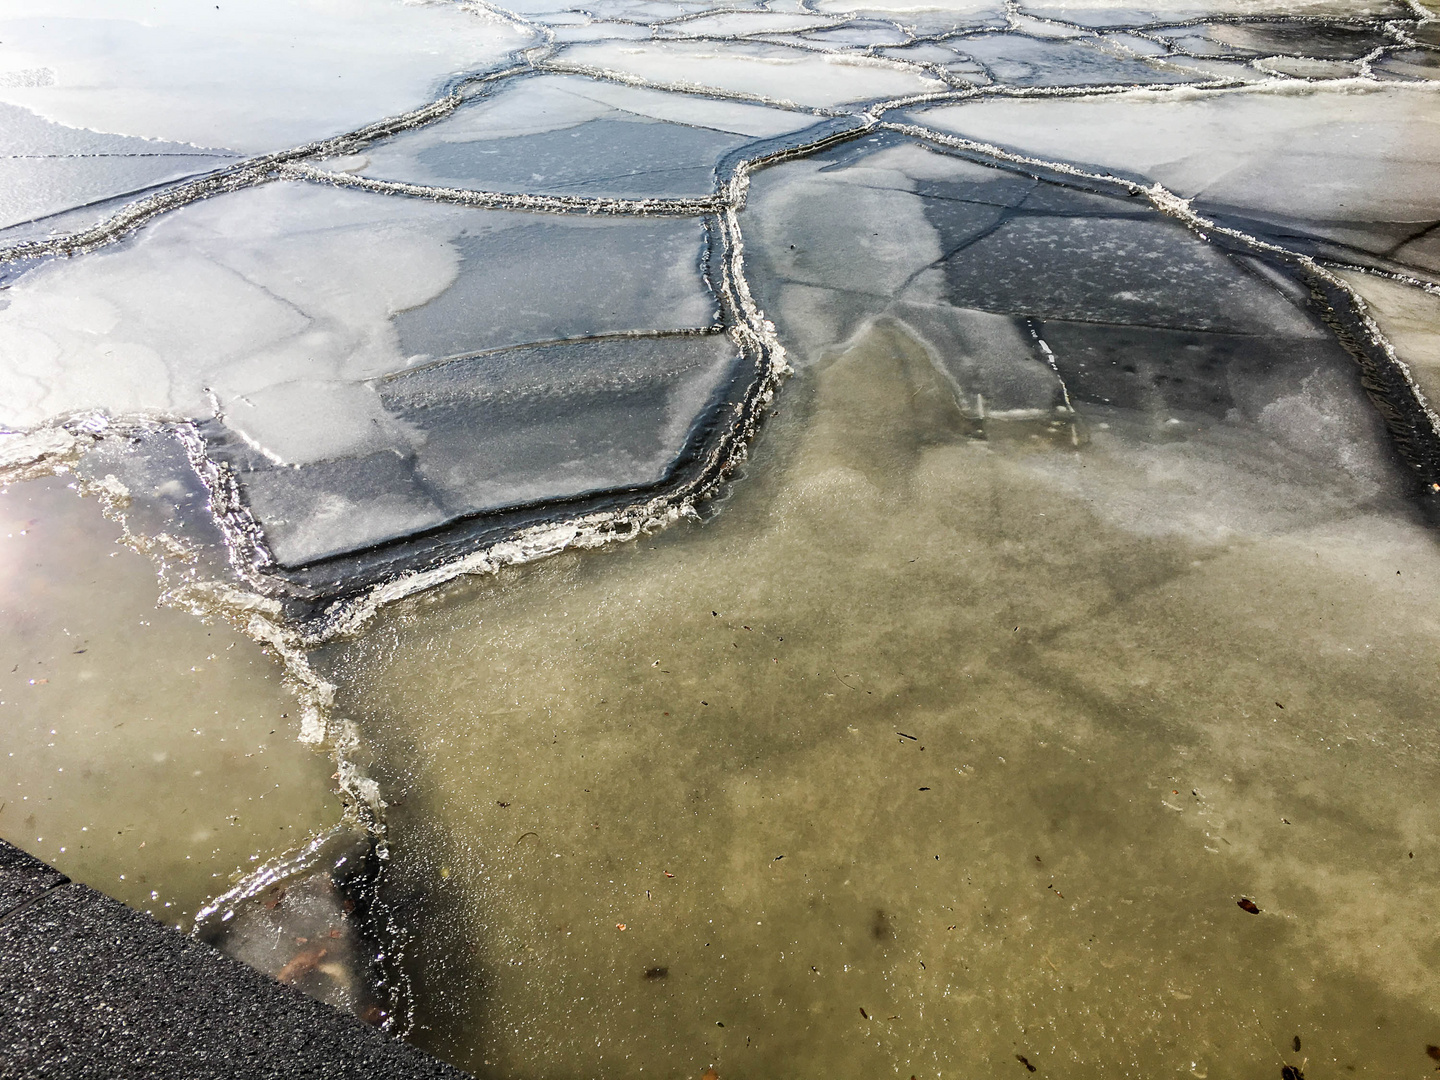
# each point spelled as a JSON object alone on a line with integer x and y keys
{"x": 567, "y": 135}
{"x": 46, "y": 167}
{"x": 1026, "y": 61}
{"x": 328, "y": 508}
{"x": 612, "y": 156}
{"x": 620, "y": 157}
{"x": 1320, "y": 42}
{"x": 1039, "y": 300}
{"x": 494, "y": 432}
{"x": 560, "y": 279}
{"x": 1138, "y": 270}
{"x": 1172, "y": 372}
{"x": 559, "y": 421}
{"x": 1414, "y": 64}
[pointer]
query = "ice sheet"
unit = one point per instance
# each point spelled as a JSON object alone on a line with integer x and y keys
{"x": 497, "y": 431}
{"x": 1024, "y": 61}
{"x": 301, "y": 285}
{"x": 256, "y": 76}
{"x": 47, "y": 167}
{"x": 753, "y": 70}
{"x": 610, "y": 154}
{"x": 1355, "y": 164}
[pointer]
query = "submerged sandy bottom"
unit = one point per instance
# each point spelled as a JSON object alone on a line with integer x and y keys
{"x": 146, "y": 753}
{"x": 932, "y": 752}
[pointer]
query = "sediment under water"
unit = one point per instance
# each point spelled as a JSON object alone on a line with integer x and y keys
{"x": 946, "y": 748}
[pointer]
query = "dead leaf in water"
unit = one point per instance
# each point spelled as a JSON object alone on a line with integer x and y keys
{"x": 301, "y": 965}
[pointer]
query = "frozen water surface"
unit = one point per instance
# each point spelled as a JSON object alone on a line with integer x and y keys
{"x": 1256, "y": 153}
{"x": 252, "y": 77}
{"x": 574, "y": 136}
{"x": 1023, "y": 423}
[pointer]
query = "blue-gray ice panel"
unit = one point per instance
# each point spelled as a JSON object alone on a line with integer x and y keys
{"x": 563, "y": 279}
{"x": 494, "y": 432}
{"x": 607, "y": 157}
{"x": 47, "y": 167}
{"x": 1025, "y": 61}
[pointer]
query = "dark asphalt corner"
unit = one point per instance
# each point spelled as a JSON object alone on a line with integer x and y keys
{"x": 91, "y": 988}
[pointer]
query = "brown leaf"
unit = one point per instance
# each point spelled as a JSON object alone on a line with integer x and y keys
{"x": 1246, "y": 904}
{"x": 303, "y": 963}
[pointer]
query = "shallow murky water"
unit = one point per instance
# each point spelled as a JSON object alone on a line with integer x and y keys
{"x": 930, "y": 753}
{"x": 147, "y": 754}
{"x": 1050, "y": 685}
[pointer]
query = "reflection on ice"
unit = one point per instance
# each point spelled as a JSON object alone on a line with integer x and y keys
{"x": 46, "y": 167}
{"x": 256, "y": 76}
{"x": 147, "y": 754}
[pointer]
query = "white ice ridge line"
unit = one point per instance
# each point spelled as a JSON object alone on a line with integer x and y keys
{"x": 260, "y": 170}
{"x": 268, "y": 873}
{"x": 1424, "y": 285}
{"x": 583, "y": 339}
{"x": 245, "y": 174}
{"x": 1168, "y": 202}
{"x": 347, "y": 617}
{"x": 499, "y": 200}
{"x": 626, "y": 78}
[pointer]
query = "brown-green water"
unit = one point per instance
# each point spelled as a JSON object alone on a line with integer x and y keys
{"x": 944, "y": 745}
{"x": 147, "y": 754}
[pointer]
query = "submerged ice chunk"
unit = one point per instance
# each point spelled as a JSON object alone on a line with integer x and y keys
{"x": 992, "y": 362}
{"x": 1033, "y": 298}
